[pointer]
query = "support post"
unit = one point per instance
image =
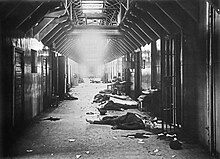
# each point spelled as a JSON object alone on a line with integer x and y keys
{"x": 153, "y": 65}
{"x": 137, "y": 73}
{"x": 162, "y": 79}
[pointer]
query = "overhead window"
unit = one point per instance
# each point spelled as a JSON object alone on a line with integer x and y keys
{"x": 92, "y": 6}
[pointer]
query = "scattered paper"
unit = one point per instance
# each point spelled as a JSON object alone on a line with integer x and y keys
{"x": 131, "y": 137}
{"x": 72, "y": 140}
{"x": 156, "y": 150}
{"x": 146, "y": 135}
{"x": 114, "y": 138}
{"x": 29, "y": 150}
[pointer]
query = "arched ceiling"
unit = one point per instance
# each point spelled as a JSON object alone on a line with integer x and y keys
{"x": 125, "y": 26}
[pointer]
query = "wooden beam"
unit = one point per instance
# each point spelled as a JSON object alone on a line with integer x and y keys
{"x": 134, "y": 34}
{"x": 51, "y": 26}
{"x": 139, "y": 31}
{"x": 162, "y": 19}
{"x": 170, "y": 10}
{"x": 191, "y": 8}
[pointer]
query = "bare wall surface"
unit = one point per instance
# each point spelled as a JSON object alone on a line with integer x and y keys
{"x": 217, "y": 82}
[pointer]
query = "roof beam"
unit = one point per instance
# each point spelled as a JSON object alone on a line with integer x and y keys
{"x": 61, "y": 42}
{"x": 169, "y": 9}
{"x": 139, "y": 31}
{"x": 32, "y": 10}
{"x": 53, "y": 33}
{"x": 103, "y": 30}
{"x": 191, "y": 9}
{"x": 121, "y": 44}
{"x": 48, "y": 18}
{"x": 139, "y": 22}
{"x": 42, "y": 25}
{"x": 128, "y": 47}
{"x": 159, "y": 16}
{"x": 134, "y": 34}
{"x": 131, "y": 40}
{"x": 128, "y": 43}
{"x": 59, "y": 34}
{"x": 51, "y": 26}
{"x": 37, "y": 15}
{"x": 149, "y": 21}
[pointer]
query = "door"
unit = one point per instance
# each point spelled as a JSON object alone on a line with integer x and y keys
{"x": 18, "y": 87}
{"x": 44, "y": 82}
{"x": 170, "y": 75}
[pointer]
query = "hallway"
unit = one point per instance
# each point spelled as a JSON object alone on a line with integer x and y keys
{"x": 73, "y": 137}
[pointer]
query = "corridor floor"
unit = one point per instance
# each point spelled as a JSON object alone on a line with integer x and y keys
{"x": 73, "y": 137}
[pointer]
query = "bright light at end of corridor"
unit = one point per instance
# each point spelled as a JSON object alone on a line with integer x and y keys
{"x": 91, "y": 46}
{"x": 91, "y": 71}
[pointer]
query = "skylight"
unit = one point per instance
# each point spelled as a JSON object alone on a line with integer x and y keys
{"x": 92, "y": 6}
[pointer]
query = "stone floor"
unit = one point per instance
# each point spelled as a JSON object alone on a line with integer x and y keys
{"x": 73, "y": 137}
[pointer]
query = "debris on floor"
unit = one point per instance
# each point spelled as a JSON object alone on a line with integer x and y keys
{"x": 52, "y": 118}
{"x": 166, "y": 136}
{"x": 155, "y": 152}
{"x": 140, "y": 141}
{"x": 90, "y": 113}
{"x": 71, "y": 140}
{"x": 29, "y": 150}
{"x": 115, "y": 138}
{"x": 175, "y": 144}
{"x": 87, "y": 152}
{"x": 78, "y": 156}
{"x": 137, "y": 135}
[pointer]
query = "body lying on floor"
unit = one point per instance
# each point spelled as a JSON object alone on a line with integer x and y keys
{"x": 129, "y": 121}
{"x": 110, "y": 105}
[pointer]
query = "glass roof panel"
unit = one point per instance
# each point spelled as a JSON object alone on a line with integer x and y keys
{"x": 92, "y": 6}
{"x": 92, "y": 11}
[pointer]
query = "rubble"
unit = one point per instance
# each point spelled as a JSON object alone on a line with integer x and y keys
{"x": 137, "y": 135}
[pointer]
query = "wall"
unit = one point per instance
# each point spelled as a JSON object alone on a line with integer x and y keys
{"x": 217, "y": 81}
{"x": 194, "y": 80}
{"x": 33, "y": 99}
{"x": 201, "y": 79}
{"x": 198, "y": 81}
{"x": 1, "y": 100}
{"x": 114, "y": 69}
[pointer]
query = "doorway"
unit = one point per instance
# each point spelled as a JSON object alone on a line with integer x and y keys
{"x": 18, "y": 87}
